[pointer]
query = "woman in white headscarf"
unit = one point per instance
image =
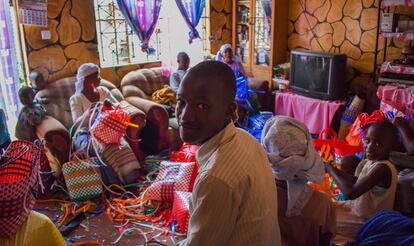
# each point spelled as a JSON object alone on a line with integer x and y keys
{"x": 87, "y": 93}
{"x": 307, "y": 216}
{"x": 225, "y": 54}
{"x": 88, "y": 90}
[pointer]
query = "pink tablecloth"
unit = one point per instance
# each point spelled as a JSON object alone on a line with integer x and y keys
{"x": 314, "y": 113}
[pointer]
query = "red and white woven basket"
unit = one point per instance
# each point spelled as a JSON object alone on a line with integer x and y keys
{"x": 19, "y": 168}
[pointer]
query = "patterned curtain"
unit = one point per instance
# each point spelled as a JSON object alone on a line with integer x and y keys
{"x": 191, "y": 10}
{"x": 9, "y": 67}
{"x": 142, "y": 17}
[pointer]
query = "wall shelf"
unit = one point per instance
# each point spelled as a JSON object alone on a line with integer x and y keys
{"x": 391, "y": 3}
{"x": 380, "y": 68}
{"x": 407, "y": 36}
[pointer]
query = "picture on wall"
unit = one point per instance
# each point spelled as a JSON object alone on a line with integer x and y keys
{"x": 33, "y": 12}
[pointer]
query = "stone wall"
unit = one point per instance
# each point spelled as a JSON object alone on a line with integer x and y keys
{"x": 341, "y": 26}
{"x": 73, "y": 42}
{"x": 220, "y": 23}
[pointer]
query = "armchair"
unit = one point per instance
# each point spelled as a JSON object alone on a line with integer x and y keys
{"x": 54, "y": 127}
{"x": 137, "y": 88}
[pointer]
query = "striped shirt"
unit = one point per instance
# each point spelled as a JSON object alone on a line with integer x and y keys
{"x": 234, "y": 201}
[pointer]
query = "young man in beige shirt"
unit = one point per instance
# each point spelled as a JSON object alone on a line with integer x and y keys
{"x": 234, "y": 201}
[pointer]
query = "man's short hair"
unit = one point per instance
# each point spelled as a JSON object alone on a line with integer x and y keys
{"x": 218, "y": 72}
{"x": 182, "y": 55}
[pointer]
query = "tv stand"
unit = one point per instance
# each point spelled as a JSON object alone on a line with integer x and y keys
{"x": 316, "y": 114}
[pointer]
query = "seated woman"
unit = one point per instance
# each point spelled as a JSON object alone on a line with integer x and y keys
{"x": 373, "y": 186}
{"x": 82, "y": 103}
{"x": 307, "y": 217}
{"x": 249, "y": 101}
{"x": 225, "y": 54}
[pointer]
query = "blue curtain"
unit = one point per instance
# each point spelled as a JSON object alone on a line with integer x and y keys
{"x": 142, "y": 17}
{"x": 191, "y": 10}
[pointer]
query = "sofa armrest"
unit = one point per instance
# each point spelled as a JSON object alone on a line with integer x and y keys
{"x": 133, "y": 134}
{"x": 131, "y": 90}
{"x": 155, "y": 133}
{"x": 56, "y": 136}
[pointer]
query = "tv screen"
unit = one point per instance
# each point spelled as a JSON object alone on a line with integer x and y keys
{"x": 317, "y": 74}
{"x": 313, "y": 73}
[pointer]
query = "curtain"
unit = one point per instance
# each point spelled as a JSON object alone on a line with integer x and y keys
{"x": 142, "y": 17}
{"x": 9, "y": 67}
{"x": 191, "y": 10}
{"x": 267, "y": 7}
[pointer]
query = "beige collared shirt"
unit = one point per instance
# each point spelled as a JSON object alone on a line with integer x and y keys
{"x": 234, "y": 201}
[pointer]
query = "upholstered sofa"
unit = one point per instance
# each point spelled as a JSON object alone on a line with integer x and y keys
{"x": 142, "y": 83}
{"x": 137, "y": 88}
{"x": 139, "y": 85}
{"x": 55, "y": 127}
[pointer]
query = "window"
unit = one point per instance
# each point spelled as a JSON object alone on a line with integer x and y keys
{"x": 119, "y": 45}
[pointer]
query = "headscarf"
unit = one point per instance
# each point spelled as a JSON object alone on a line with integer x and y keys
{"x": 220, "y": 53}
{"x": 293, "y": 158}
{"x": 236, "y": 61}
{"x": 84, "y": 70}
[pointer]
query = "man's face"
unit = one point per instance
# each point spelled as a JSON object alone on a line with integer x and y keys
{"x": 183, "y": 63}
{"x": 201, "y": 109}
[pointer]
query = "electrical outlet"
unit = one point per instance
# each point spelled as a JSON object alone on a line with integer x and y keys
{"x": 46, "y": 35}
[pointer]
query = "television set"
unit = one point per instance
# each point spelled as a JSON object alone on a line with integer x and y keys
{"x": 318, "y": 74}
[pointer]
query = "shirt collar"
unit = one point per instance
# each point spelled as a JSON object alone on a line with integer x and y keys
{"x": 208, "y": 148}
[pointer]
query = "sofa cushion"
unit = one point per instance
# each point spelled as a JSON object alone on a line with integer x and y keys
{"x": 143, "y": 82}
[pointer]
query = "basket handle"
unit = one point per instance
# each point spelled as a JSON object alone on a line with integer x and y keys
{"x": 330, "y": 133}
{"x": 23, "y": 150}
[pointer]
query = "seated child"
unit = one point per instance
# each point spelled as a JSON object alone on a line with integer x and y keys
{"x": 307, "y": 217}
{"x": 37, "y": 82}
{"x": 30, "y": 116}
{"x": 4, "y": 132}
{"x": 183, "y": 62}
{"x": 373, "y": 186}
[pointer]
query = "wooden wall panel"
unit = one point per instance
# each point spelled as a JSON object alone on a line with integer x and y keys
{"x": 73, "y": 41}
{"x": 344, "y": 26}
{"x": 220, "y": 23}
